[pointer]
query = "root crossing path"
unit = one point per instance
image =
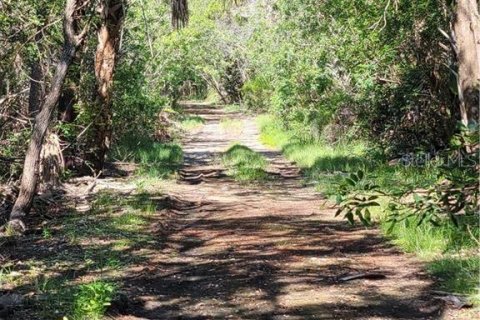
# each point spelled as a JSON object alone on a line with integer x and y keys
{"x": 271, "y": 250}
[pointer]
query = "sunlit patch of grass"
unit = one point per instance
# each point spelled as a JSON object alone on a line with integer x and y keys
{"x": 191, "y": 123}
{"x": 60, "y": 298}
{"x": 128, "y": 221}
{"x": 244, "y": 164}
{"x": 271, "y": 132}
{"x": 8, "y": 276}
{"x": 426, "y": 240}
{"x": 92, "y": 300}
{"x": 231, "y": 126}
{"x": 328, "y": 164}
{"x": 148, "y": 183}
{"x": 322, "y": 163}
{"x": 107, "y": 226}
{"x": 458, "y": 275}
{"x": 122, "y": 244}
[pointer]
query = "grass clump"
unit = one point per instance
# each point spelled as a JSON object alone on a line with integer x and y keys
{"x": 191, "y": 123}
{"x": 429, "y": 241}
{"x": 92, "y": 300}
{"x": 234, "y": 108}
{"x": 230, "y": 125}
{"x": 244, "y": 164}
{"x": 155, "y": 159}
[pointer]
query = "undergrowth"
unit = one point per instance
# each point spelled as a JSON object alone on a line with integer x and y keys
{"x": 154, "y": 159}
{"x": 450, "y": 252}
{"x": 90, "y": 253}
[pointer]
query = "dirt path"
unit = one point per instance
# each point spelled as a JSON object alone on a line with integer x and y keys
{"x": 267, "y": 252}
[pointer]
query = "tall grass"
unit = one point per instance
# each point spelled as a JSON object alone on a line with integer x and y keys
{"x": 327, "y": 164}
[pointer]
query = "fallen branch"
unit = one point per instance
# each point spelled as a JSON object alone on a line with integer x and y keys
{"x": 368, "y": 276}
{"x": 93, "y": 183}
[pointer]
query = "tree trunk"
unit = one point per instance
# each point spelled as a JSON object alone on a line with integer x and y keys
{"x": 112, "y": 13}
{"x": 180, "y": 13}
{"x": 37, "y": 89}
{"x": 467, "y": 33}
{"x": 28, "y": 185}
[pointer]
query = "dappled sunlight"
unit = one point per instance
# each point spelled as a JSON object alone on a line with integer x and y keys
{"x": 204, "y": 246}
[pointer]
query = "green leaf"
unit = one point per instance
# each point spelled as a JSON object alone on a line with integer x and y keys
{"x": 360, "y": 174}
{"x": 417, "y": 198}
{"x": 338, "y": 199}
{"x": 339, "y": 211}
{"x": 354, "y": 177}
{"x": 351, "y": 182}
{"x": 368, "y": 216}
{"x": 349, "y": 216}
{"x": 391, "y": 227}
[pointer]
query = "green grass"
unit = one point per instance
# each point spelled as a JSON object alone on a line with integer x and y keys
{"x": 244, "y": 164}
{"x": 92, "y": 300}
{"x": 458, "y": 275}
{"x": 90, "y": 252}
{"x": 98, "y": 247}
{"x": 230, "y": 125}
{"x": 234, "y": 108}
{"x": 159, "y": 160}
{"x": 327, "y": 166}
{"x": 191, "y": 123}
{"x": 428, "y": 241}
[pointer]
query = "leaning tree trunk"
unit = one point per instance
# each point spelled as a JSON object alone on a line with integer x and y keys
{"x": 37, "y": 77}
{"x": 28, "y": 185}
{"x": 467, "y": 33}
{"x": 37, "y": 88}
{"x": 112, "y": 14}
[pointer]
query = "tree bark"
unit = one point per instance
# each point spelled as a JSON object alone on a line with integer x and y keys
{"x": 112, "y": 13}
{"x": 467, "y": 33}
{"x": 37, "y": 89}
{"x": 180, "y": 13}
{"x": 29, "y": 179}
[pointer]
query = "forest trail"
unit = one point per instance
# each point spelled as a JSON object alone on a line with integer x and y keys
{"x": 267, "y": 251}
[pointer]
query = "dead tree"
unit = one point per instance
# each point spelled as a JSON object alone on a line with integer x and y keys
{"x": 74, "y": 11}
